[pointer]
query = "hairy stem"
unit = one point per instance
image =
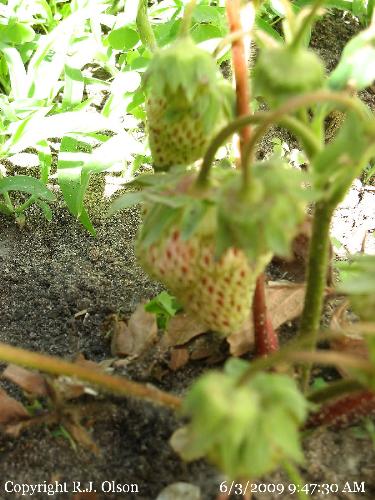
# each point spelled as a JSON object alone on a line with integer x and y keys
{"x": 146, "y": 33}
{"x": 267, "y": 119}
{"x": 306, "y": 23}
{"x": 116, "y": 385}
{"x": 295, "y": 103}
{"x": 266, "y": 339}
{"x": 345, "y": 410}
{"x": 296, "y": 479}
{"x": 316, "y": 281}
{"x": 241, "y": 71}
{"x": 188, "y": 16}
{"x": 334, "y": 390}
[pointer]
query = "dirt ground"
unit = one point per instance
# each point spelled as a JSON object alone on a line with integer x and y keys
{"x": 52, "y": 271}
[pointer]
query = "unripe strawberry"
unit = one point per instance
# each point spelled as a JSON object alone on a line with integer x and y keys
{"x": 218, "y": 291}
{"x": 187, "y": 101}
{"x": 282, "y": 72}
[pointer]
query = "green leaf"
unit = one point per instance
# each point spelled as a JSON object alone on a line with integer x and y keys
{"x": 74, "y": 86}
{"x": 26, "y": 184}
{"x": 17, "y": 72}
{"x": 16, "y": 33}
{"x": 156, "y": 223}
{"x": 356, "y": 67}
{"x": 165, "y": 306}
{"x": 69, "y": 170}
{"x": 203, "y": 32}
{"x": 123, "y": 38}
{"x": 208, "y": 14}
{"x": 125, "y": 201}
{"x": 342, "y": 160}
{"x": 247, "y": 430}
{"x": 47, "y": 212}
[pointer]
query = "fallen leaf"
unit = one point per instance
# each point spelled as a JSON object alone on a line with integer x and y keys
{"x": 179, "y": 358}
{"x": 182, "y": 328}
{"x": 81, "y": 436}
{"x": 29, "y": 381}
{"x": 134, "y": 337}
{"x": 11, "y": 410}
{"x": 242, "y": 341}
{"x": 284, "y": 303}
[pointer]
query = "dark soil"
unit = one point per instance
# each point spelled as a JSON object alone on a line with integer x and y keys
{"x": 52, "y": 271}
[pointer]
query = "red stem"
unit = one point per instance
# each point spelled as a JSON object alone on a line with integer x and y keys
{"x": 266, "y": 340}
{"x": 239, "y": 66}
{"x": 346, "y": 410}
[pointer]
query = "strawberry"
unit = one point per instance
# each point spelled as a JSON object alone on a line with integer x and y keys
{"x": 216, "y": 290}
{"x": 281, "y": 73}
{"x": 207, "y": 244}
{"x": 187, "y": 101}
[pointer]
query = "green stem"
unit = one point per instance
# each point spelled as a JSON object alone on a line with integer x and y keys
{"x": 7, "y": 200}
{"x": 308, "y": 140}
{"x": 146, "y": 33}
{"x": 26, "y": 205}
{"x": 296, "y": 103}
{"x": 334, "y": 390}
{"x": 306, "y": 24}
{"x": 295, "y": 477}
{"x": 267, "y": 119}
{"x": 187, "y": 18}
{"x": 115, "y": 384}
{"x": 316, "y": 280}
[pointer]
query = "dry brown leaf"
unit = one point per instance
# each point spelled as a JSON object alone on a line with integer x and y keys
{"x": 284, "y": 303}
{"x": 243, "y": 341}
{"x": 133, "y": 338}
{"x": 29, "y": 381}
{"x": 182, "y": 328}
{"x": 179, "y": 358}
{"x": 81, "y": 436}
{"x": 11, "y": 410}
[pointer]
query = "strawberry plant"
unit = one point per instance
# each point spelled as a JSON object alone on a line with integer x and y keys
{"x": 207, "y": 234}
{"x": 208, "y": 228}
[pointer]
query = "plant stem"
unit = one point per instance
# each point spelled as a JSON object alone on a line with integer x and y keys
{"x": 333, "y": 390}
{"x": 7, "y": 200}
{"x": 241, "y": 71}
{"x": 56, "y": 366}
{"x": 186, "y": 20}
{"x": 296, "y": 103}
{"x": 266, "y": 339}
{"x": 146, "y": 33}
{"x": 316, "y": 281}
{"x": 296, "y": 479}
{"x": 306, "y": 23}
{"x": 267, "y": 119}
{"x": 344, "y": 410}
{"x": 26, "y": 205}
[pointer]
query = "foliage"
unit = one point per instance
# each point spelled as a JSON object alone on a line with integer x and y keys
{"x": 231, "y": 422}
{"x": 243, "y": 419}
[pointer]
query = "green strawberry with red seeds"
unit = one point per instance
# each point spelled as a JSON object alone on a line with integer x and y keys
{"x": 187, "y": 101}
{"x": 218, "y": 291}
{"x": 207, "y": 244}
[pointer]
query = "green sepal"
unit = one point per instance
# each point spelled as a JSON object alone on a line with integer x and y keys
{"x": 182, "y": 65}
{"x": 247, "y": 430}
{"x": 265, "y": 218}
{"x": 358, "y": 281}
{"x": 342, "y": 160}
